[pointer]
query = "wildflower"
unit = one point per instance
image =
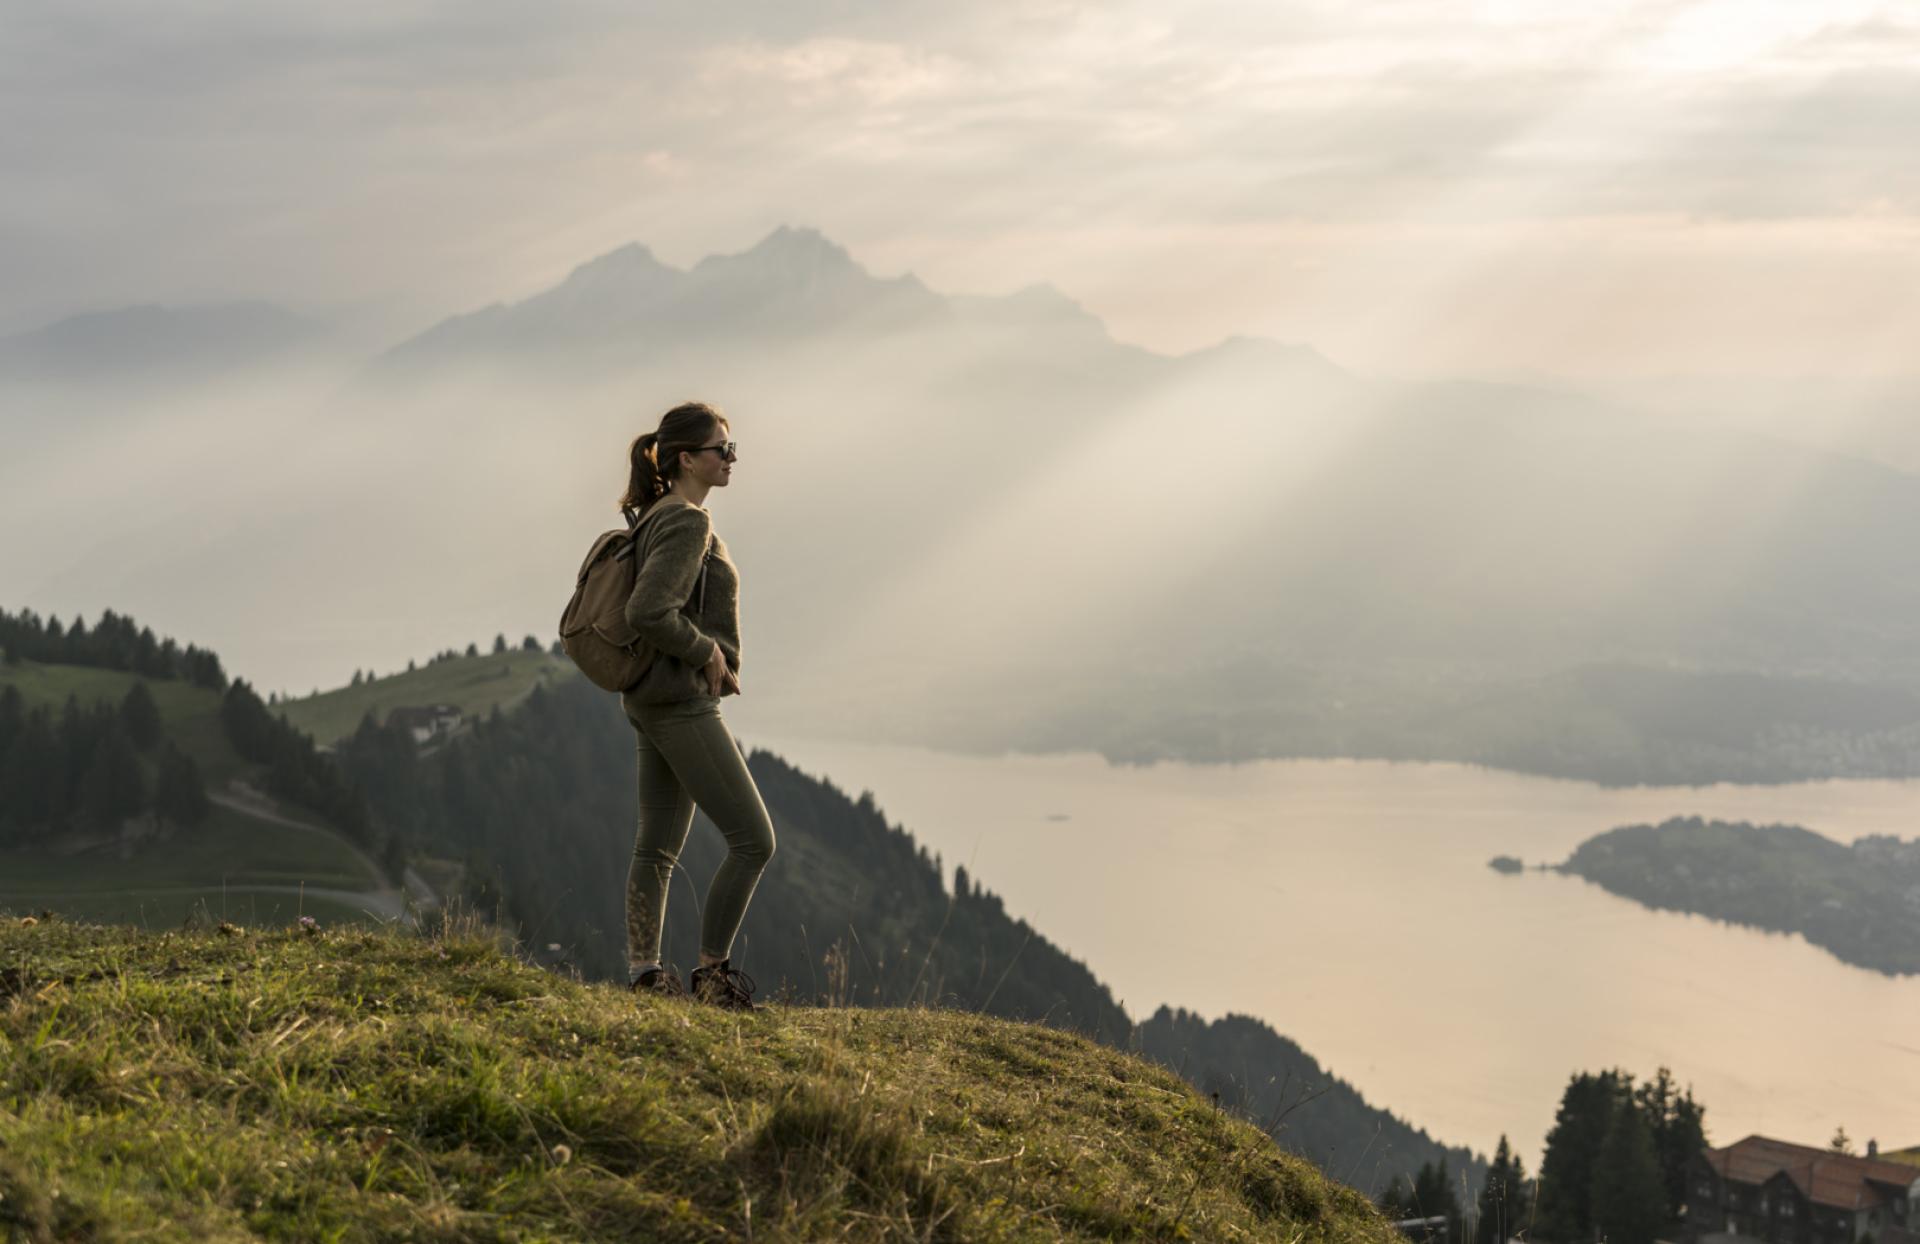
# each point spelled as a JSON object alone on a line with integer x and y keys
{"x": 309, "y": 926}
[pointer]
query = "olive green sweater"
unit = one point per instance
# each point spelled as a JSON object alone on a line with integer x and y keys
{"x": 670, "y": 607}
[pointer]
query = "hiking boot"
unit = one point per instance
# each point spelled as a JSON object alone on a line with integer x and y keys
{"x": 659, "y": 981}
{"x": 724, "y": 986}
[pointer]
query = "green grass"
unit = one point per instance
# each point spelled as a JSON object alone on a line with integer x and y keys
{"x": 171, "y": 908}
{"x": 161, "y": 883}
{"x": 374, "y": 1085}
{"x": 228, "y": 845}
{"x": 474, "y": 684}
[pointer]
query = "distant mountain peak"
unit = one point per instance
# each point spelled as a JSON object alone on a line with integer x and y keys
{"x": 797, "y": 252}
{"x": 1242, "y": 348}
{"x": 624, "y": 267}
{"x": 632, "y": 256}
{"x": 1037, "y": 306}
{"x": 1045, "y": 294}
{"x": 800, "y": 240}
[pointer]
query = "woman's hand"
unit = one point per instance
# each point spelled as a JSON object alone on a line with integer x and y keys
{"x": 720, "y": 679}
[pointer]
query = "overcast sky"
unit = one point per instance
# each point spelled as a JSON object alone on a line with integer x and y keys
{"x": 1411, "y": 186}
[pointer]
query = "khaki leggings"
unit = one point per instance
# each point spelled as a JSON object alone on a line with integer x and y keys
{"x": 688, "y": 757}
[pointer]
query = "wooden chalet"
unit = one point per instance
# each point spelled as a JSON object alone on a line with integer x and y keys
{"x": 427, "y": 722}
{"x": 1773, "y": 1190}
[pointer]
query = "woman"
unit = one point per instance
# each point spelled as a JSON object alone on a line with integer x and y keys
{"x": 686, "y": 603}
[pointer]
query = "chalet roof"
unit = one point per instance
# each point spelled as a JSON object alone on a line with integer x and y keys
{"x": 1822, "y": 1176}
{"x": 420, "y": 715}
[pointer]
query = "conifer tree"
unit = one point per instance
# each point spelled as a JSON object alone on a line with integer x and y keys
{"x": 1679, "y": 1133}
{"x": 179, "y": 796}
{"x": 473, "y": 650}
{"x": 1628, "y": 1197}
{"x": 79, "y": 642}
{"x": 149, "y": 659}
{"x": 113, "y": 787}
{"x": 13, "y": 717}
{"x": 499, "y": 644}
{"x": 32, "y": 780}
{"x": 1502, "y": 1203}
{"x": 1565, "y": 1210}
{"x": 23, "y": 766}
{"x": 1433, "y": 1198}
{"x": 141, "y": 717}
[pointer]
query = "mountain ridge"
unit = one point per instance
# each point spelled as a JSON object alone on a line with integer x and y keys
{"x": 795, "y": 279}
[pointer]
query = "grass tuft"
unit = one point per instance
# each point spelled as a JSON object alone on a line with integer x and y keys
{"x": 832, "y": 1151}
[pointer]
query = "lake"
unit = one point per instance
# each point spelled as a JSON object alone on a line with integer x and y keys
{"x": 1349, "y": 904}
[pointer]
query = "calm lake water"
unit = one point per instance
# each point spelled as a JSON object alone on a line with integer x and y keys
{"x": 1349, "y": 904}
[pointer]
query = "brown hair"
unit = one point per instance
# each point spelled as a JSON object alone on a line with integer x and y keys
{"x": 654, "y": 457}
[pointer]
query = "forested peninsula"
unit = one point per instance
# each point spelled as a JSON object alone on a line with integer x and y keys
{"x": 1860, "y": 902}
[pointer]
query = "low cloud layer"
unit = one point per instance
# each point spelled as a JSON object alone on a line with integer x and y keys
{"x": 1300, "y": 170}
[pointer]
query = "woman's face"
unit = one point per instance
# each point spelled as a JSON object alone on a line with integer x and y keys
{"x": 711, "y": 465}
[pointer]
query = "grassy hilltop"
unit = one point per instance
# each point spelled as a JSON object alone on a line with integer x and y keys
{"x": 476, "y": 685}
{"x": 372, "y": 1084}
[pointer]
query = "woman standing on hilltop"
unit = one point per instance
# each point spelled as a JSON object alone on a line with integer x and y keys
{"x": 686, "y": 604}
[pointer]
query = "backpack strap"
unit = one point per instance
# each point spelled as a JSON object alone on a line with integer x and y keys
{"x": 704, "y": 559}
{"x": 630, "y": 542}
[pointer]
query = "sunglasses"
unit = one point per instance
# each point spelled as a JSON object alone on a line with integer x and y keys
{"x": 726, "y": 450}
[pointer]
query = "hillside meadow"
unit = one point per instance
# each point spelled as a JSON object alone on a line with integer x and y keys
{"x": 225, "y": 1083}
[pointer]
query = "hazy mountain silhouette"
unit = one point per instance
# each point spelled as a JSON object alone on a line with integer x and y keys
{"x": 626, "y": 306}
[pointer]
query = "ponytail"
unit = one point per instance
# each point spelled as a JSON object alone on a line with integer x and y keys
{"x": 654, "y": 458}
{"x": 644, "y": 485}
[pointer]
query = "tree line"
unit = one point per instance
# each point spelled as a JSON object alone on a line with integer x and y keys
{"x": 91, "y": 767}
{"x": 1615, "y": 1168}
{"x": 113, "y": 643}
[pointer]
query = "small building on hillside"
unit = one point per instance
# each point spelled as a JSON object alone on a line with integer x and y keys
{"x": 1774, "y": 1190}
{"x": 426, "y": 723}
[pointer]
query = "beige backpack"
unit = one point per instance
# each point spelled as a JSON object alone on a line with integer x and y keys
{"x": 594, "y": 628}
